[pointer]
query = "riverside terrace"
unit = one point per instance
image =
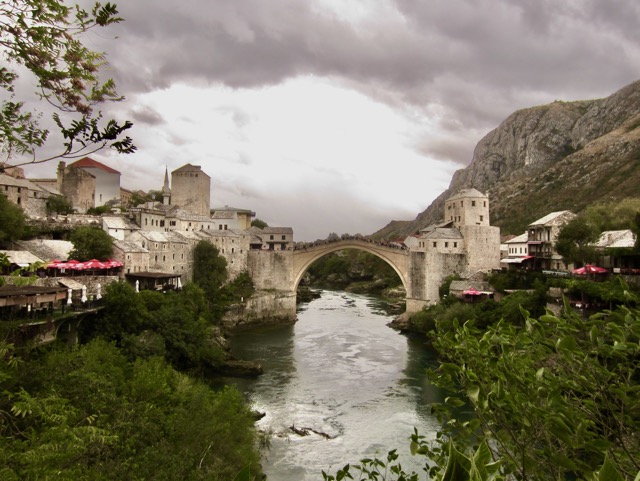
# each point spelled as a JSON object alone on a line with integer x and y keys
{"x": 35, "y": 313}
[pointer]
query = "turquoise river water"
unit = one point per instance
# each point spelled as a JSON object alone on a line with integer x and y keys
{"x": 340, "y": 372}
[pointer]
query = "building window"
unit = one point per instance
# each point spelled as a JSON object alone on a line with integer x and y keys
{"x": 481, "y": 218}
{"x": 461, "y": 203}
{"x": 435, "y": 244}
{"x": 455, "y": 244}
{"x": 484, "y": 203}
{"x": 446, "y": 244}
{"x": 220, "y": 227}
{"x": 473, "y": 203}
{"x": 271, "y": 237}
{"x": 284, "y": 237}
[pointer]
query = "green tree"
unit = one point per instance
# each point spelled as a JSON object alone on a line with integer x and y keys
{"x": 58, "y": 204}
{"x": 612, "y": 215}
{"x": 575, "y": 239}
{"x": 90, "y": 243}
{"x": 259, "y": 223}
{"x": 11, "y": 221}
{"x": 43, "y": 39}
{"x": 89, "y": 413}
{"x": 209, "y": 269}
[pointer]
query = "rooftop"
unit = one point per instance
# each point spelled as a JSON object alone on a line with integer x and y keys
{"x": 554, "y": 218}
{"x": 88, "y": 162}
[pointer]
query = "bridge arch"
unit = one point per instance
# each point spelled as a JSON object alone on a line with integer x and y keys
{"x": 397, "y": 258}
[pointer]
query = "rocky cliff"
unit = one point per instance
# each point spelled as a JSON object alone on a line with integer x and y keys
{"x": 565, "y": 155}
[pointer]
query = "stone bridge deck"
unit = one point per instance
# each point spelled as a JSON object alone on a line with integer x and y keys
{"x": 396, "y": 257}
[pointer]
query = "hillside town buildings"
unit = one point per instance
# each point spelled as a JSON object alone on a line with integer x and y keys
{"x": 155, "y": 240}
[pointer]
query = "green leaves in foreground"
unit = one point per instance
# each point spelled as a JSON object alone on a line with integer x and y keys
{"x": 447, "y": 463}
{"x": 555, "y": 399}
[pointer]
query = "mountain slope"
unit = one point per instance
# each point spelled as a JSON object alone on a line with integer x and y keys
{"x": 564, "y": 155}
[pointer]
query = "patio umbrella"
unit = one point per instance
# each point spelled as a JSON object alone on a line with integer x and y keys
{"x": 589, "y": 269}
{"x": 472, "y": 292}
{"x": 95, "y": 264}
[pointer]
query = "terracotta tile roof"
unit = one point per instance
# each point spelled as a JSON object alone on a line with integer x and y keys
{"x": 91, "y": 163}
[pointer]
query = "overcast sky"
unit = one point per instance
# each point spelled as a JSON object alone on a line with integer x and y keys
{"x": 342, "y": 115}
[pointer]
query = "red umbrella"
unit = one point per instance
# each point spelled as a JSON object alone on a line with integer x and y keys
{"x": 111, "y": 263}
{"x": 589, "y": 269}
{"x": 95, "y": 264}
{"x": 472, "y": 292}
{"x": 55, "y": 264}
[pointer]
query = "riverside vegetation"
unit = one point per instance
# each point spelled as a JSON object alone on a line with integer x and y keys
{"x": 131, "y": 400}
{"x": 533, "y": 396}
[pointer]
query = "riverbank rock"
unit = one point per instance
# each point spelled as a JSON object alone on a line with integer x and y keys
{"x": 240, "y": 368}
{"x": 400, "y": 323}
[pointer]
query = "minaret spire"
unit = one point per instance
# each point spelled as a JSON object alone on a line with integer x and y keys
{"x": 166, "y": 190}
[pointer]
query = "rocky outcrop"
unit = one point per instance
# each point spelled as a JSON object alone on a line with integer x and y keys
{"x": 544, "y": 156}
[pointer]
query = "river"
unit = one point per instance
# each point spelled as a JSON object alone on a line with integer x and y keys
{"x": 340, "y": 372}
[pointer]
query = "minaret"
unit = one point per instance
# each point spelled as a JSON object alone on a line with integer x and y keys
{"x": 166, "y": 191}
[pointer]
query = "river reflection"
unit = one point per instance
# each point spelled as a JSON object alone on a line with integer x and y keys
{"x": 341, "y": 373}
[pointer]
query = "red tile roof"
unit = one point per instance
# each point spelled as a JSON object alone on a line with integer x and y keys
{"x": 89, "y": 162}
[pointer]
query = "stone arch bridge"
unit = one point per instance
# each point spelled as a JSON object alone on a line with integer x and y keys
{"x": 280, "y": 272}
{"x": 397, "y": 258}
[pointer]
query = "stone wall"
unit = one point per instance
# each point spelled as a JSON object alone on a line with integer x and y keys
{"x": 261, "y": 309}
{"x": 271, "y": 269}
{"x": 482, "y": 244}
{"x": 78, "y": 186}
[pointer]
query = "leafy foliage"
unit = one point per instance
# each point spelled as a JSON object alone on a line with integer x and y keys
{"x": 11, "y": 221}
{"x": 259, "y": 223}
{"x": 89, "y": 413}
{"x": 575, "y": 241}
{"x": 58, "y": 204}
{"x": 91, "y": 243}
{"x": 174, "y": 325}
{"x": 43, "y": 37}
{"x": 553, "y": 398}
{"x": 209, "y": 269}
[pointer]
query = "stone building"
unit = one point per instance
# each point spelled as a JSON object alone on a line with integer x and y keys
{"x": 88, "y": 183}
{"x": 24, "y": 193}
{"x": 273, "y": 238}
{"x": 232, "y": 218}
{"x": 168, "y": 251}
{"x": 541, "y": 240}
{"x": 118, "y": 227}
{"x": 465, "y": 243}
{"x": 107, "y": 180}
{"x": 134, "y": 257}
{"x": 191, "y": 189}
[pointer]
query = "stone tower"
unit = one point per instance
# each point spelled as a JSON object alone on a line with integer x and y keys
{"x": 191, "y": 189}
{"x": 469, "y": 212}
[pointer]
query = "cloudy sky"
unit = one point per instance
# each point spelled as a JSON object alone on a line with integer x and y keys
{"x": 341, "y": 115}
